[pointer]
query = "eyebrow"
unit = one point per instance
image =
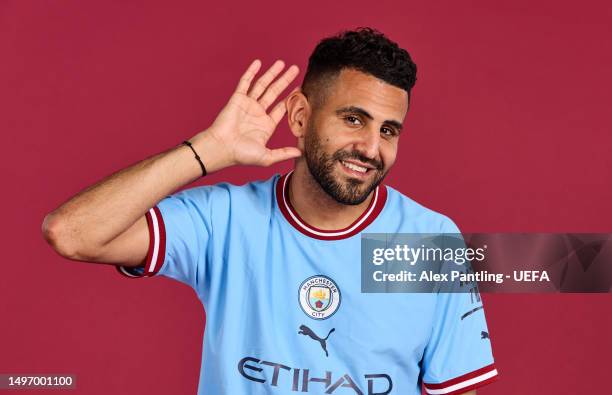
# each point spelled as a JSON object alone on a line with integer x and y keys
{"x": 361, "y": 111}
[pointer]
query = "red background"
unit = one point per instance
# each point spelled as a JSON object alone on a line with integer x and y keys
{"x": 508, "y": 131}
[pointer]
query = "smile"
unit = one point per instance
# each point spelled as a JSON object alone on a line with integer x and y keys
{"x": 353, "y": 168}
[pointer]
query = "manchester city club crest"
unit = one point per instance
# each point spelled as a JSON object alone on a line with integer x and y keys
{"x": 319, "y": 297}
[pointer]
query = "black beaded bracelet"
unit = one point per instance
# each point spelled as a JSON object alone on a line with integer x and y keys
{"x": 188, "y": 144}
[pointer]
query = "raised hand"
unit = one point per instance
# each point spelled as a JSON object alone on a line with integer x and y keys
{"x": 243, "y": 127}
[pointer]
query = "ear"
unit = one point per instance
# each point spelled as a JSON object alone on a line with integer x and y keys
{"x": 298, "y": 112}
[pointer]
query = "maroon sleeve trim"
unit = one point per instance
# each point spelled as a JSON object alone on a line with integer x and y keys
{"x": 464, "y": 383}
{"x": 157, "y": 247}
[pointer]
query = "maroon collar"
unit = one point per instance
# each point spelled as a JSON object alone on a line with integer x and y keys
{"x": 374, "y": 208}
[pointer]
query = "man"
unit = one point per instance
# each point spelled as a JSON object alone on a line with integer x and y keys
{"x": 276, "y": 262}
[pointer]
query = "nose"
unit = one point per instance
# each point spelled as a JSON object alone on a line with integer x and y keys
{"x": 369, "y": 143}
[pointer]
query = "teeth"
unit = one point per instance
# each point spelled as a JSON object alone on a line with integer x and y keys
{"x": 355, "y": 167}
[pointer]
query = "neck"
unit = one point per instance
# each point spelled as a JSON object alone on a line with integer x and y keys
{"x": 317, "y": 207}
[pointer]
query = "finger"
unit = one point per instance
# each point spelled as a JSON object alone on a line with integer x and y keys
{"x": 247, "y": 77}
{"x": 278, "y": 111}
{"x": 280, "y": 154}
{"x": 263, "y": 81}
{"x": 278, "y": 86}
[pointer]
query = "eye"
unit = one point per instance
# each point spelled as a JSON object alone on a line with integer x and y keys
{"x": 388, "y": 131}
{"x": 351, "y": 119}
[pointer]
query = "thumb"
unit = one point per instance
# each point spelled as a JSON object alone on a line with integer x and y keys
{"x": 280, "y": 154}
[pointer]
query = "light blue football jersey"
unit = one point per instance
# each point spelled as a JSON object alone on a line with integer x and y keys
{"x": 283, "y": 301}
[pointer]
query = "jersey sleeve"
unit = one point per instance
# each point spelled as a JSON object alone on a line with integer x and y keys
{"x": 458, "y": 357}
{"x": 180, "y": 232}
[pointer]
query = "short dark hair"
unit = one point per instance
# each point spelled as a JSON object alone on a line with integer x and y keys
{"x": 364, "y": 49}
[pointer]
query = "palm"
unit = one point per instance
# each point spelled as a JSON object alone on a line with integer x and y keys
{"x": 244, "y": 127}
{"x": 252, "y": 127}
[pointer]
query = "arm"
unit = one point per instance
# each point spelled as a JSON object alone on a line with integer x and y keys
{"x": 106, "y": 223}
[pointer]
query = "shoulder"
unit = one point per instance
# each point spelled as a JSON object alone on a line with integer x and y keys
{"x": 225, "y": 196}
{"x": 416, "y": 216}
{"x": 227, "y": 189}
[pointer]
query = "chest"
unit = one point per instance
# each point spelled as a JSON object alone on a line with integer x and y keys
{"x": 284, "y": 282}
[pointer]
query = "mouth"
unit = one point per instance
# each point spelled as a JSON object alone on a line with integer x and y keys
{"x": 355, "y": 170}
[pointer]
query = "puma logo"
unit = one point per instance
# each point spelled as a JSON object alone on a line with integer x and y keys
{"x": 306, "y": 331}
{"x": 484, "y": 335}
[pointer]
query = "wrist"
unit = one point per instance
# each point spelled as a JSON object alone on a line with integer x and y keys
{"x": 214, "y": 154}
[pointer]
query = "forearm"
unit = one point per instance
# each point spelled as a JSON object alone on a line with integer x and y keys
{"x": 95, "y": 216}
{"x": 105, "y": 222}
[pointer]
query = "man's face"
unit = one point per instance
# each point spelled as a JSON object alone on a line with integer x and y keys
{"x": 351, "y": 140}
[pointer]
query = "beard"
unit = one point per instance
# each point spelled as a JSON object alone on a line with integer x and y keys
{"x": 321, "y": 166}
